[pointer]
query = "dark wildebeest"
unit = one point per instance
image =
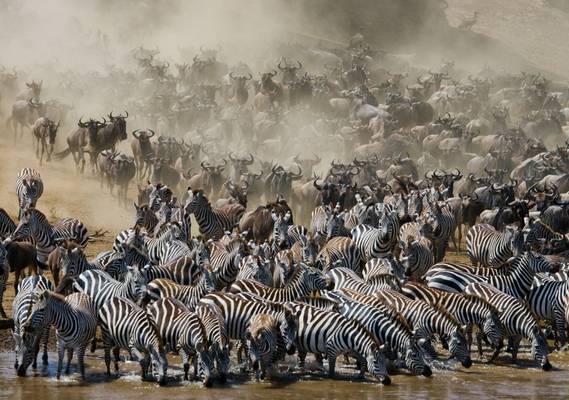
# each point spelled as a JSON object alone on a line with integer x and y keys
{"x": 269, "y": 92}
{"x": 239, "y": 94}
{"x": 24, "y": 114}
{"x": 142, "y": 151}
{"x": 112, "y": 133}
{"x": 279, "y": 182}
{"x": 122, "y": 171}
{"x": 210, "y": 179}
{"x": 44, "y": 131}
{"x": 289, "y": 71}
{"x": 239, "y": 166}
{"x": 82, "y": 140}
{"x": 164, "y": 173}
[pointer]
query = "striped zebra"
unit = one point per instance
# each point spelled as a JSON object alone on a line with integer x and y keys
{"x": 340, "y": 251}
{"x": 159, "y": 194}
{"x": 29, "y": 188}
{"x": 145, "y": 218}
{"x": 387, "y": 327}
{"x": 540, "y": 233}
{"x": 346, "y": 278}
{"x": 238, "y": 311}
{"x": 183, "y": 271}
{"x": 124, "y": 325}
{"x": 100, "y": 286}
{"x": 224, "y": 261}
{"x": 416, "y": 247}
{"x": 34, "y": 224}
{"x": 304, "y": 280}
{"x": 516, "y": 282}
{"x": 28, "y": 291}
{"x": 255, "y": 268}
{"x": 489, "y": 248}
{"x": 429, "y": 320}
{"x": 318, "y": 222}
{"x": 156, "y": 246}
{"x": 75, "y": 321}
{"x": 4, "y": 275}
{"x": 380, "y": 241}
{"x": 182, "y": 330}
{"x": 383, "y": 266}
{"x": 518, "y": 322}
{"x": 72, "y": 263}
{"x": 335, "y": 224}
{"x": 214, "y": 324}
{"x": 283, "y": 269}
{"x": 305, "y": 250}
{"x": 187, "y": 295}
{"x": 329, "y": 333}
{"x": 262, "y": 337}
{"x": 213, "y": 223}
{"x": 7, "y": 225}
{"x": 444, "y": 226}
{"x": 466, "y": 309}
{"x": 548, "y": 302}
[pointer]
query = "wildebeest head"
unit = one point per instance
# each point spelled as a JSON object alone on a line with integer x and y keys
{"x": 289, "y": 70}
{"x": 143, "y": 135}
{"x": 35, "y": 88}
{"x": 92, "y": 126}
{"x": 119, "y": 122}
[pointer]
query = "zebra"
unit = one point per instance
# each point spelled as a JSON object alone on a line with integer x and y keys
{"x": 224, "y": 261}
{"x": 284, "y": 267}
{"x": 187, "y": 295}
{"x": 304, "y": 280}
{"x": 539, "y": 232}
{"x": 214, "y": 324}
{"x": 127, "y": 326}
{"x": 72, "y": 262}
{"x": 256, "y": 269}
{"x": 262, "y": 334}
{"x": 318, "y": 222}
{"x": 183, "y": 271}
{"x": 7, "y": 225}
{"x": 22, "y": 305}
{"x": 156, "y": 247}
{"x": 238, "y": 311}
{"x": 340, "y": 251}
{"x": 444, "y": 226}
{"x": 346, "y": 278}
{"x": 518, "y": 322}
{"x": 383, "y": 266}
{"x": 466, "y": 309}
{"x": 304, "y": 250}
{"x": 387, "y": 326}
{"x": 29, "y": 188}
{"x": 429, "y": 320}
{"x": 182, "y": 330}
{"x": 489, "y": 248}
{"x": 213, "y": 223}
{"x": 145, "y": 218}
{"x": 381, "y": 241}
{"x": 548, "y": 302}
{"x": 416, "y": 248}
{"x": 329, "y": 333}
{"x": 75, "y": 321}
{"x": 335, "y": 226}
{"x": 100, "y": 286}
{"x": 34, "y": 224}
{"x": 516, "y": 282}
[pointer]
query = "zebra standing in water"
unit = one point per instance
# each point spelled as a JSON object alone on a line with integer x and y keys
{"x": 489, "y": 248}
{"x": 327, "y": 332}
{"x": 466, "y": 309}
{"x": 29, "y": 188}
{"x": 183, "y": 331}
{"x": 213, "y": 223}
{"x": 21, "y": 307}
{"x": 75, "y": 321}
{"x": 126, "y": 326}
{"x": 381, "y": 241}
{"x": 214, "y": 324}
{"x": 34, "y": 224}
{"x": 262, "y": 341}
{"x": 518, "y": 322}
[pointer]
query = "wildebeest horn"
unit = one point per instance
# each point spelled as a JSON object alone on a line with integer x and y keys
{"x": 231, "y": 156}
{"x": 315, "y": 184}
{"x": 81, "y": 124}
{"x": 298, "y": 175}
{"x": 125, "y": 113}
{"x": 299, "y": 64}
{"x": 250, "y": 160}
{"x": 111, "y": 115}
{"x": 134, "y": 133}
{"x": 151, "y": 131}
{"x": 204, "y": 164}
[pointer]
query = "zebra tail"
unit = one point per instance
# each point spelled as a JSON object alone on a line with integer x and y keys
{"x": 62, "y": 154}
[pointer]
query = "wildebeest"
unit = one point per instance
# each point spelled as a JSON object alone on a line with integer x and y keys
{"x": 44, "y": 131}
{"x": 24, "y": 114}
{"x": 83, "y": 140}
{"x": 142, "y": 151}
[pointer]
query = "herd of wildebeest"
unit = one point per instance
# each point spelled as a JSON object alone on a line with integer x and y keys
{"x": 326, "y": 186}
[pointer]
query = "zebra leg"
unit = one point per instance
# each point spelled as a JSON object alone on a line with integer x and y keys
{"x": 559, "y": 322}
{"x": 301, "y": 359}
{"x": 319, "y": 361}
{"x": 81, "y": 360}
{"x": 331, "y": 365}
{"x": 60, "y": 355}
{"x": 45, "y": 339}
{"x": 2, "y": 289}
{"x": 185, "y": 363}
{"x": 515, "y": 347}
{"x": 108, "y": 359}
{"x": 69, "y": 357}
{"x": 496, "y": 353}
{"x": 479, "y": 336}
{"x": 116, "y": 354}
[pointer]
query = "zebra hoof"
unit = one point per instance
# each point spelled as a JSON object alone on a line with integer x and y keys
{"x": 467, "y": 363}
{"x": 547, "y": 366}
{"x": 223, "y": 379}
{"x": 427, "y": 371}
{"x": 21, "y": 372}
{"x": 44, "y": 359}
{"x": 208, "y": 383}
{"x": 385, "y": 380}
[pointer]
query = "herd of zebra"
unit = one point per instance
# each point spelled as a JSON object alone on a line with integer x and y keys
{"x": 369, "y": 283}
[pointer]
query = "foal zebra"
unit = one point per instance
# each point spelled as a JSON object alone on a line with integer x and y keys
{"x": 329, "y": 333}
{"x": 75, "y": 321}
{"x": 181, "y": 330}
{"x": 518, "y": 322}
{"x": 124, "y": 325}
{"x": 28, "y": 291}
{"x": 29, "y": 188}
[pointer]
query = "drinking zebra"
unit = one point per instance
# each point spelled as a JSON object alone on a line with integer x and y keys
{"x": 29, "y": 188}
{"x": 28, "y": 291}
{"x": 75, "y": 321}
{"x": 262, "y": 336}
{"x": 518, "y": 322}
{"x": 181, "y": 330}
{"x": 214, "y": 324}
{"x": 124, "y": 325}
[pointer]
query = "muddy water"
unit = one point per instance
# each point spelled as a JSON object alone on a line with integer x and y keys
{"x": 479, "y": 382}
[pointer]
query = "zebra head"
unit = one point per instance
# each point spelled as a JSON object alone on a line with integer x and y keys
{"x": 281, "y": 224}
{"x": 30, "y": 192}
{"x": 136, "y": 280}
{"x": 314, "y": 279}
{"x": 309, "y": 250}
{"x": 493, "y": 328}
{"x": 32, "y": 330}
{"x": 334, "y": 223}
{"x": 377, "y": 365}
{"x": 539, "y": 348}
{"x": 205, "y": 363}
{"x": 458, "y": 347}
{"x": 71, "y": 260}
{"x": 23, "y": 230}
{"x": 414, "y": 358}
{"x": 288, "y": 325}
